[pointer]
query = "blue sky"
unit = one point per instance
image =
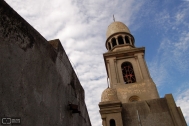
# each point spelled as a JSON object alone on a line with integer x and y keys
{"x": 161, "y": 26}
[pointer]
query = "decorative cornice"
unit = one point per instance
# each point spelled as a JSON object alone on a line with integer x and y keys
{"x": 125, "y": 52}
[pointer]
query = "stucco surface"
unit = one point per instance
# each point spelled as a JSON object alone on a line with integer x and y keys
{"x": 37, "y": 81}
{"x": 116, "y": 27}
{"x": 109, "y": 94}
{"x": 150, "y": 112}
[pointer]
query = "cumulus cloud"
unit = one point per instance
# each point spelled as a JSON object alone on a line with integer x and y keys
{"x": 170, "y": 65}
{"x": 183, "y": 102}
{"x": 81, "y": 27}
{"x": 173, "y": 48}
{"x": 171, "y": 59}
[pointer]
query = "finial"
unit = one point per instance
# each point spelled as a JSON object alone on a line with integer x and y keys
{"x": 113, "y": 18}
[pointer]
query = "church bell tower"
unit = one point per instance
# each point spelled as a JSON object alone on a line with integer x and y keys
{"x": 126, "y": 66}
{"x": 132, "y": 93}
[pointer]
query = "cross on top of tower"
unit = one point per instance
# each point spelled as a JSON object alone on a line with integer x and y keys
{"x": 113, "y": 18}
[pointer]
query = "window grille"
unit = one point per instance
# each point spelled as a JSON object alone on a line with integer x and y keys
{"x": 128, "y": 73}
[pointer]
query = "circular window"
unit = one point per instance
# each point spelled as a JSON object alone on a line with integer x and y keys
{"x": 134, "y": 99}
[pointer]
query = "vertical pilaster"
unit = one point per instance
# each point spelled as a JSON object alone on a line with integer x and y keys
{"x": 139, "y": 69}
{"x": 130, "y": 41}
{"x": 109, "y": 72}
{"x": 104, "y": 121}
{"x": 147, "y": 69}
{"x": 143, "y": 66}
{"x": 107, "y": 45}
{"x": 117, "y": 41}
{"x": 124, "y": 39}
{"x": 116, "y": 70}
{"x": 112, "y": 72}
{"x": 111, "y": 45}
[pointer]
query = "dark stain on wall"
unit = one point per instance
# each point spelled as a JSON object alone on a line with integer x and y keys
{"x": 37, "y": 81}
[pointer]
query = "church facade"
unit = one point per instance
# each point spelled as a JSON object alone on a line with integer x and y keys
{"x": 131, "y": 98}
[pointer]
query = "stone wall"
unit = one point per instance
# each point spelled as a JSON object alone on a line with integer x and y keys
{"x": 37, "y": 81}
{"x": 156, "y": 112}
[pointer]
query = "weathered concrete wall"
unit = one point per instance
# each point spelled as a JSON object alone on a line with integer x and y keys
{"x": 37, "y": 81}
{"x": 156, "y": 112}
{"x": 150, "y": 112}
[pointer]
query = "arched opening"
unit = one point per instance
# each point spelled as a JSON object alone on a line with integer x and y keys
{"x": 120, "y": 40}
{"x": 134, "y": 98}
{"x": 132, "y": 41}
{"x": 112, "y": 122}
{"x": 127, "y": 40}
{"x": 128, "y": 73}
{"x": 109, "y": 47}
{"x": 114, "y": 42}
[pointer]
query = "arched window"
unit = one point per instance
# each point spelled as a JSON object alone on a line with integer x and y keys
{"x": 120, "y": 40}
{"x": 132, "y": 41}
{"x": 128, "y": 73}
{"x": 114, "y": 42}
{"x": 127, "y": 40}
{"x": 109, "y": 46}
{"x": 112, "y": 122}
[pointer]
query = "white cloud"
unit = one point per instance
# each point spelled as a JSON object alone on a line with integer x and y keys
{"x": 172, "y": 55}
{"x": 81, "y": 27}
{"x": 170, "y": 65}
{"x": 183, "y": 102}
